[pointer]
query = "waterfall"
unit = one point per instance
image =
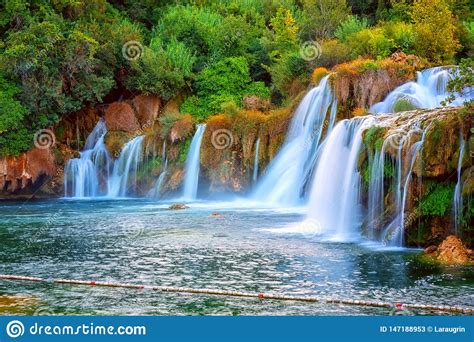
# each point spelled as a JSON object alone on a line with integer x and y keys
{"x": 83, "y": 175}
{"x": 191, "y": 173}
{"x": 457, "y": 199}
{"x": 376, "y": 191}
{"x": 124, "y": 175}
{"x": 334, "y": 198}
{"x": 255, "y": 161}
{"x": 155, "y": 192}
{"x": 428, "y": 91}
{"x": 287, "y": 174}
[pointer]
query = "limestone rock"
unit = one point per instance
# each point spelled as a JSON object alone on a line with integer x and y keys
{"x": 121, "y": 117}
{"x": 178, "y": 206}
{"x": 16, "y": 173}
{"x": 453, "y": 251}
{"x": 147, "y": 108}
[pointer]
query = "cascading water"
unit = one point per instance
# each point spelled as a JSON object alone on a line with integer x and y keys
{"x": 255, "y": 161}
{"x": 155, "y": 192}
{"x": 457, "y": 199}
{"x": 124, "y": 176}
{"x": 191, "y": 173}
{"x": 334, "y": 198}
{"x": 285, "y": 177}
{"x": 84, "y": 175}
{"x": 394, "y": 233}
{"x": 428, "y": 91}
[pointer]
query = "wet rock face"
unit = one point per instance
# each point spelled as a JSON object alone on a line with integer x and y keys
{"x": 120, "y": 116}
{"x": 17, "y": 173}
{"x": 451, "y": 251}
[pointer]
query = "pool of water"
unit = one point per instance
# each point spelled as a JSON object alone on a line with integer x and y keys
{"x": 242, "y": 248}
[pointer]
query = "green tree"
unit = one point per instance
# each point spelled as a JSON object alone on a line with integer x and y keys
{"x": 434, "y": 30}
{"x": 320, "y": 18}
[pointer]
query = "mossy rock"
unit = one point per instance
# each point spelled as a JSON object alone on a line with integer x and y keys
{"x": 115, "y": 140}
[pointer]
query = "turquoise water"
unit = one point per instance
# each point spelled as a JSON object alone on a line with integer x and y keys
{"x": 140, "y": 241}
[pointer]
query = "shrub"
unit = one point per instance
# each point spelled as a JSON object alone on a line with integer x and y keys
{"x": 161, "y": 70}
{"x": 401, "y": 34}
{"x": 371, "y": 42}
{"x": 333, "y": 52}
{"x": 226, "y": 81}
{"x": 351, "y": 25}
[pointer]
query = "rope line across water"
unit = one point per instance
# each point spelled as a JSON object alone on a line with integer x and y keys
{"x": 260, "y": 295}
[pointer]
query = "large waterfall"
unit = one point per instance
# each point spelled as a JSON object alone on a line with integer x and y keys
{"x": 84, "y": 176}
{"x": 334, "y": 197}
{"x": 191, "y": 172}
{"x": 285, "y": 177}
{"x": 429, "y": 91}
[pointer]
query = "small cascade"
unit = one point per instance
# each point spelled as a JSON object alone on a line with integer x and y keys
{"x": 376, "y": 191}
{"x": 457, "y": 199}
{"x": 191, "y": 173}
{"x": 155, "y": 192}
{"x": 334, "y": 198}
{"x": 255, "y": 161}
{"x": 123, "y": 180}
{"x": 428, "y": 91}
{"x": 84, "y": 175}
{"x": 287, "y": 174}
{"x": 393, "y": 234}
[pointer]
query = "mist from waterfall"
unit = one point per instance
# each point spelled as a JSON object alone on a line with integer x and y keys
{"x": 191, "y": 172}
{"x": 284, "y": 179}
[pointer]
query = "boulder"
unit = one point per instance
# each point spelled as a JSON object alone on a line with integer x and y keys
{"x": 120, "y": 116}
{"x": 147, "y": 108}
{"x": 453, "y": 251}
{"x": 178, "y": 206}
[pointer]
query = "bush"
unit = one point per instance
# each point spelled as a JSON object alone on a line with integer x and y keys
{"x": 161, "y": 70}
{"x": 351, "y": 25}
{"x": 371, "y": 42}
{"x": 401, "y": 34}
{"x": 226, "y": 81}
{"x": 333, "y": 52}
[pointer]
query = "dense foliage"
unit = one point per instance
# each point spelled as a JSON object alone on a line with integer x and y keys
{"x": 58, "y": 56}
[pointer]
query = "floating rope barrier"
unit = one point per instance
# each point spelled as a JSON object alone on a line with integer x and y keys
{"x": 259, "y": 295}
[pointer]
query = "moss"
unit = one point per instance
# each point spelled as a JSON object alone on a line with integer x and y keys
{"x": 183, "y": 150}
{"x": 373, "y": 137}
{"x": 437, "y": 200}
{"x": 403, "y": 104}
